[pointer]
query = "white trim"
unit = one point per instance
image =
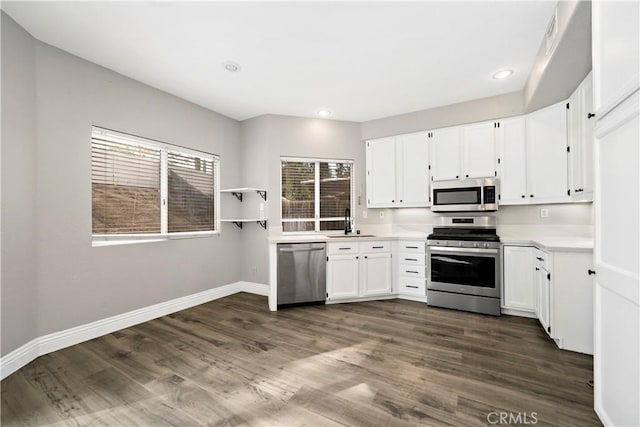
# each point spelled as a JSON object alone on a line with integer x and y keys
{"x": 418, "y": 298}
{"x": 521, "y": 313}
{"x": 62, "y": 339}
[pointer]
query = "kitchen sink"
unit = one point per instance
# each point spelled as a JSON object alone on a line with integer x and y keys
{"x": 342, "y": 236}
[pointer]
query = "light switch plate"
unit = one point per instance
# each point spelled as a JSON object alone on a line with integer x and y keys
{"x": 364, "y": 213}
{"x": 381, "y": 214}
{"x": 544, "y": 213}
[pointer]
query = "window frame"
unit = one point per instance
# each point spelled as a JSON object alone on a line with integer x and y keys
{"x": 165, "y": 148}
{"x": 317, "y": 220}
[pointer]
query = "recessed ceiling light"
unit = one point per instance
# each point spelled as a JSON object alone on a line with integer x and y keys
{"x": 502, "y": 74}
{"x": 231, "y": 66}
{"x": 323, "y": 112}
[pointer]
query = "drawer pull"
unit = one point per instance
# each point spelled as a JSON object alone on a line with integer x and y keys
{"x": 411, "y": 247}
{"x": 539, "y": 259}
{"x": 412, "y": 286}
{"x": 377, "y": 247}
{"x": 411, "y": 259}
{"x": 344, "y": 249}
{"x": 411, "y": 271}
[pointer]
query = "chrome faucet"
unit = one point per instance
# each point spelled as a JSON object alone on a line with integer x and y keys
{"x": 347, "y": 221}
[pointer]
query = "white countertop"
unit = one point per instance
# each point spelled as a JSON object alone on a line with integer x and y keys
{"x": 548, "y": 241}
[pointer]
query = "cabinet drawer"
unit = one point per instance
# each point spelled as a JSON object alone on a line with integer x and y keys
{"x": 375, "y": 247}
{"x": 410, "y": 286}
{"x": 342, "y": 248}
{"x": 542, "y": 257}
{"x": 413, "y": 259}
{"x": 412, "y": 246}
{"x": 418, "y": 271}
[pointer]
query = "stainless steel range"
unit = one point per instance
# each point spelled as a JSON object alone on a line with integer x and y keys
{"x": 463, "y": 256}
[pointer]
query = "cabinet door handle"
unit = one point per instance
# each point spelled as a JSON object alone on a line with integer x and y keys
{"x": 457, "y": 176}
{"x": 591, "y": 272}
{"x": 411, "y": 259}
{"x": 523, "y": 196}
{"x": 412, "y": 286}
{"x": 539, "y": 259}
{"x": 466, "y": 176}
{"x": 357, "y": 257}
{"x": 411, "y": 247}
{"x": 411, "y": 271}
{"x": 537, "y": 269}
{"x": 365, "y": 257}
{"x": 343, "y": 249}
{"x": 530, "y": 195}
{"x": 377, "y": 247}
{"x": 590, "y": 115}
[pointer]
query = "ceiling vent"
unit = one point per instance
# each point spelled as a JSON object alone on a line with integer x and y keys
{"x": 552, "y": 32}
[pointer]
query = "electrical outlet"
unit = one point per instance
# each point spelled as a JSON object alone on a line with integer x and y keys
{"x": 381, "y": 214}
{"x": 544, "y": 213}
{"x": 364, "y": 214}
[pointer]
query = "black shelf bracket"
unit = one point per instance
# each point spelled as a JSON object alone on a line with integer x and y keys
{"x": 238, "y": 196}
{"x": 263, "y": 224}
{"x": 262, "y": 194}
{"x": 238, "y": 223}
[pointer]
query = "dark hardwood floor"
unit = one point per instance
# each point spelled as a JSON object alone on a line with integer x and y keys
{"x": 232, "y": 362}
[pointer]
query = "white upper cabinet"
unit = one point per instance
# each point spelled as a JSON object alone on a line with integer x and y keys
{"x": 511, "y": 141}
{"x": 547, "y": 155}
{"x": 445, "y": 153}
{"x": 479, "y": 150}
{"x": 381, "y": 172}
{"x": 463, "y": 151}
{"x": 412, "y": 170}
{"x": 397, "y": 171}
{"x": 616, "y": 53}
{"x": 580, "y": 123}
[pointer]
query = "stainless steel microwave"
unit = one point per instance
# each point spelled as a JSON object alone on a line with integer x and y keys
{"x": 465, "y": 195}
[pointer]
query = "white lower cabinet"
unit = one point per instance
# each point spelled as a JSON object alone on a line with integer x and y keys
{"x": 343, "y": 276}
{"x": 357, "y": 270}
{"x": 519, "y": 286}
{"x": 543, "y": 292}
{"x": 376, "y": 274}
{"x": 411, "y": 263}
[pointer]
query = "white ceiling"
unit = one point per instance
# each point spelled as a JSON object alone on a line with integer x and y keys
{"x": 361, "y": 60}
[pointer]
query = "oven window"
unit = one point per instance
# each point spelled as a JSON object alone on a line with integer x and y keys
{"x": 457, "y": 196}
{"x": 467, "y": 270}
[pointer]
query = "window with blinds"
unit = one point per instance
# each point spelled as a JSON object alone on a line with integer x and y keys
{"x": 143, "y": 188}
{"x": 315, "y": 194}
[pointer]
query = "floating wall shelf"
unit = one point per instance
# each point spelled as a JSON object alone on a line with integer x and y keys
{"x": 238, "y": 192}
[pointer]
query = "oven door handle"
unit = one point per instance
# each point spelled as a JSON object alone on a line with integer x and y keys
{"x": 462, "y": 250}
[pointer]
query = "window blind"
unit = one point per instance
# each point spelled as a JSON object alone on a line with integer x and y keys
{"x": 191, "y": 191}
{"x": 125, "y": 186}
{"x": 315, "y": 194}
{"x": 298, "y": 195}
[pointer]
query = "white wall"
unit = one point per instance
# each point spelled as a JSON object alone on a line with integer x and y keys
{"x": 52, "y": 278}
{"x": 18, "y": 274}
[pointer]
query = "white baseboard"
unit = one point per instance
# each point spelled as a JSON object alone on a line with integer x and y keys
{"x": 418, "y": 298}
{"x": 62, "y": 339}
{"x": 521, "y": 313}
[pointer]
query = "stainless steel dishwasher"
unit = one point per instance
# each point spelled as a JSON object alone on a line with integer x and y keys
{"x": 301, "y": 273}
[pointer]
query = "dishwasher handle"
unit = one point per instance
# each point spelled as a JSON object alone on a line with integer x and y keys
{"x": 299, "y": 249}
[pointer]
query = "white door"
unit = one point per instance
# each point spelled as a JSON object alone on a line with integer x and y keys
{"x": 519, "y": 278}
{"x": 381, "y": 172}
{"x": 343, "y": 276}
{"x": 479, "y": 150}
{"x": 444, "y": 153}
{"x": 376, "y": 274}
{"x": 412, "y": 170}
{"x": 512, "y": 161}
{"x": 547, "y": 154}
{"x": 543, "y": 291}
{"x": 616, "y": 252}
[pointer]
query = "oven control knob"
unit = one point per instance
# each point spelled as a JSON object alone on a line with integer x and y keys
{"x": 476, "y": 244}
{"x": 460, "y": 243}
{"x": 486, "y": 245}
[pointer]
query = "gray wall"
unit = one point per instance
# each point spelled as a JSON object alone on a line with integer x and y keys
{"x": 18, "y": 272}
{"x": 47, "y": 193}
{"x": 556, "y": 75}
{"x": 478, "y": 110}
{"x": 265, "y": 139}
